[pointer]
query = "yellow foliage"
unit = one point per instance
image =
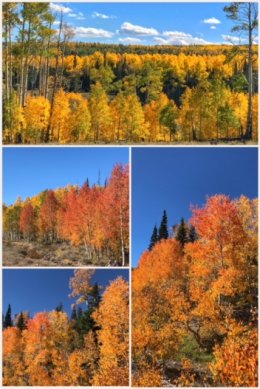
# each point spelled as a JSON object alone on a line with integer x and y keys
{"x": 37, "y": 115}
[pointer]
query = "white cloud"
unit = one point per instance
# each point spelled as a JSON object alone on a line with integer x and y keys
{"x": 60, "y": 8}
{"x": 180, "y": 38}
{"x": 101, "y": 16}
{"x": 161, "y": 41}
{"x": 233, "y": 39}
{"x": 131, "y": 29}
{"x": 56, "y": 22}
{"x": 213, "y": 27}
{"x": 129, "y": 40}
{"x": 78, "y": 16}
{"x": 211, "y": 21}
{"x": 89, "y": 32}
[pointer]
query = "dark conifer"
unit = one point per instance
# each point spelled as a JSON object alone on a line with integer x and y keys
{"x": 8, "y": 318}
{"x": 163, "y": 230}
{"x": 21, "y": 323}
{"x": 154, "y": 238}
{"x": 193, "y": 236}
{"x": 182, "y": 233}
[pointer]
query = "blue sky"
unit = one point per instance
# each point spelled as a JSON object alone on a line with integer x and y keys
{"x": 43, "y": 289}
{"x": 147, "y": 23}
{"x": 28, "y": 171}
{"x": 174, "y": 178}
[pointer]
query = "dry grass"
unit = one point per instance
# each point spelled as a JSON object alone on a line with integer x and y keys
{"x": 58, "y": 254}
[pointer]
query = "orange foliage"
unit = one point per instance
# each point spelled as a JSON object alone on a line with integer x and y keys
{"x": 113, "y": 317}
{"x": 236, "y": 360}
{"x": 195, "y": 293}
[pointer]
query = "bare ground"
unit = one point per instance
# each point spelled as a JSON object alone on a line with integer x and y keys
{"x": 58, "y": 254}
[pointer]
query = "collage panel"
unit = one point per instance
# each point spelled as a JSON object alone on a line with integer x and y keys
{"x": 65, "y": 206}
{"x": 195, "y": 268}
{"x": 132, "y": 73}
{"x": 66, "y": 327}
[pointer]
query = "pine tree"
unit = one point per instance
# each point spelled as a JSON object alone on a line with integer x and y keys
{"x": 154, "y": 238}
{"x": 8, "y": 318}
{"x": 59, "y": 308}
{"x": 73, "y": 313}
{"x": 21, "y": 323}
{"x": 95, "y": 298}
{"x": 193, "y": 236}
{"x": 163, "y": 230}
{"x": 182, "y": 233}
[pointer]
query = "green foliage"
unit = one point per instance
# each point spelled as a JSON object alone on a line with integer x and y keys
{"x": 191, "y": 350}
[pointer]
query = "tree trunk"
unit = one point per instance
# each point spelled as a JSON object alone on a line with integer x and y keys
{"x": 26, "y": 67}
{"x": 7, "y": 95}
{"x": 47, "y": 68}
{"x": 122, "y": 238}
{"x": 249, "y": 126}
{"x": 50, "y": 132}
{"x": 22, "y": 67}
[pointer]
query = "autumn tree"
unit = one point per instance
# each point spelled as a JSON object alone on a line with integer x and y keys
{"x": 14, "y": 369}
{"x": 80, "y": 285}
{"x": 116, "y": 211}
{"x": 48, "y": 216}
{"x": 36, "y": 114}
{"x": 47, "y": 341}
{"x": 27, "y": 222}
{"x": 100, "y": 113}
{"x": 245, "y": 16}
{"x": 113, "y": 318}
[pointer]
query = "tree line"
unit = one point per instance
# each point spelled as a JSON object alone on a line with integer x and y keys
{"x": 89, "y": 348}
{"x": 56, "y": 90}
{"x": 195, "y": 304}
{"x": 183, "y": 232}
{"x": 95, "y": 217}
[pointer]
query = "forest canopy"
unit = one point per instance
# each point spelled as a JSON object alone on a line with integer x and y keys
{"x": 62, "y": 91}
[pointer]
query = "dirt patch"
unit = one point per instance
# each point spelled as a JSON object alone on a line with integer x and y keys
{"x": 58, "y": 254}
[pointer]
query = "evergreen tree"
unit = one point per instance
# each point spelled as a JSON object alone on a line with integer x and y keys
{"x": 193, "y": 236}
{"x": 59, "y": 308}
{"x": 73, "y": 313}
{"x": 94, "y": 298}
{"x": 8, "y": 318}
{"x": 182, "y": 233}
{"x": 154, "y": 238}
{"x": 79, "y": 313}
{"x": 163, "y": 230}
{"x": 21, "y": 323}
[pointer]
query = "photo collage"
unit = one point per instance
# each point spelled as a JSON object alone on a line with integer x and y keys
{"x": 129, "y": 194}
